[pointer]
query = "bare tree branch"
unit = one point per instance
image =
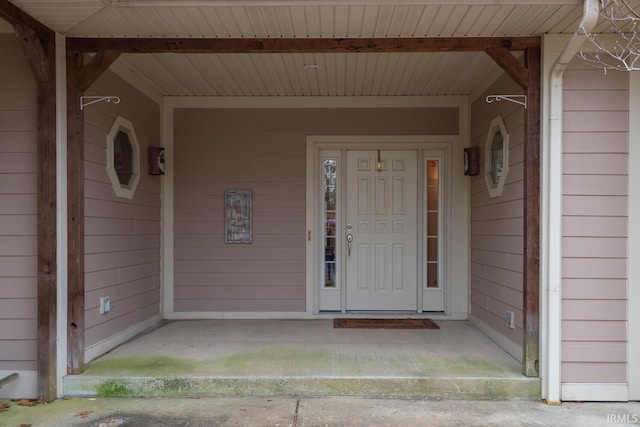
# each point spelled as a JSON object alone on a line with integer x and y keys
{"x": 622, "y": 52}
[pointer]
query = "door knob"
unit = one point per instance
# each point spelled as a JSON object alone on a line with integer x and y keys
{"x": 349, "y": 240}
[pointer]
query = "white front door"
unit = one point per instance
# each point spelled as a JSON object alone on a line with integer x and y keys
{"x": 381, "y": 230}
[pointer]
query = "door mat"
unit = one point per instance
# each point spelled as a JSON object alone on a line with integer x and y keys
{"x": 385, "y": 323}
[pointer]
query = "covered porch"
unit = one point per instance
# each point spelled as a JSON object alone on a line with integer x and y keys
{"x": 200, "y": 358}
{"x": 113, "y": 246}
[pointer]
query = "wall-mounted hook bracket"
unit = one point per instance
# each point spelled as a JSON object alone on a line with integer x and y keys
{"x": 94, "y": 99}
{"x": 510, "y": 98}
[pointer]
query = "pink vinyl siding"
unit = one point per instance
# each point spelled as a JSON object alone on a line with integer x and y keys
{"x": 263, "y": 151}
{"x": 497, "y": 226}
{"x": 122, "y": 236}
{"x": 18, "y": 227}
{"x": 594, "y": 244}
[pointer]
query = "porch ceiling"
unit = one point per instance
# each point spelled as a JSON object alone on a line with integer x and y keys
{"x": 313, "y": 74}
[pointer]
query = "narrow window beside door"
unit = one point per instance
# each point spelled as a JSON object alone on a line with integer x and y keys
{"x": 329, "y": 219}
{"x": 433, "y": 194}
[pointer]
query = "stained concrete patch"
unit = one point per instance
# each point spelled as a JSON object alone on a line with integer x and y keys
{"x": 334, "y": 412}
{"x": 316, "y": 412}
{"x": 154, "y": 412}
{"x": 137, "y": 420}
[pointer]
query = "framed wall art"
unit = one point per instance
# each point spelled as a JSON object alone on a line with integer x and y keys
{"x": 237, "y": 216}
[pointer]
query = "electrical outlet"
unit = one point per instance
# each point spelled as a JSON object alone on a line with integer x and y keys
{"x": 511, "y": 320}
{"x": 105, "y": 305}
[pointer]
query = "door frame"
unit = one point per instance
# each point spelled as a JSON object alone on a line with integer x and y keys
{"x": 456, "y": 220}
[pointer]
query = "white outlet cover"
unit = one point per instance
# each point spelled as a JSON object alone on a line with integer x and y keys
{"x": 510, "y": 320}
{"x": 105, "y": 305}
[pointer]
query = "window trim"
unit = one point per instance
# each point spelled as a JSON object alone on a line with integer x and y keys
{"x": 497, "y": 125}
{"x": 124, "y": 191}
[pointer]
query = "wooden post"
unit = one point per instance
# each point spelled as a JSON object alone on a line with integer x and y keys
{"x": 528, "y": 77}
{"x": 79, "y": 78}
{"x": 75, "y": 218}
{"x": 47, "y": 232}
{"x": 38, "y": 44}
{"x": 531, "y": 350}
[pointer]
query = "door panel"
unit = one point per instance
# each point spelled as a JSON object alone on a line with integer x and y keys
{"x": 381, "y": 217}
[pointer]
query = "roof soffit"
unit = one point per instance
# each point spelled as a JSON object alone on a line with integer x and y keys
{"x": 304, "y": 18}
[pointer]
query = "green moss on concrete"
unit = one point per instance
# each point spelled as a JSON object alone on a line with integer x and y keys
{"x": 140, "y": 366}
{"x": 461, "y": 367}
{"x": 294, "y": 361}
{"x": 115, "y": 388}
{"x": 285, "y": 371}
{"x": 458, "y": 388}
{"x": 42, "y": 414}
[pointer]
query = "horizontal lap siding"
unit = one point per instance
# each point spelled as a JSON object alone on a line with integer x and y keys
{"x": 122, "y": 236}
{"x": 594, "y": 243}
{"x": 264, "y": 151}
{"x": 18, "y": 224}
{"x": 497, "y": 226}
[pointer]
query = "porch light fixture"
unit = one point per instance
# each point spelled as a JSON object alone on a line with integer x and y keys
{"x": 471, "y": 161}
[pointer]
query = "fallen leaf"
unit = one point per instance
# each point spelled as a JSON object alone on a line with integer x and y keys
{"x": 25, "y": 425}
{"x": 4, "y": 407}
{"x": 26, "y": 402}
{"x": 83, "y": 414}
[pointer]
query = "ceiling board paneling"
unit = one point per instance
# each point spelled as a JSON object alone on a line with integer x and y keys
{"x": 61, "y": 15}
{"x": 303, "y": 19}
{"x": 223, "y": 77}
{"x": 339, "y": 74}
{"x": 568, "y": 22}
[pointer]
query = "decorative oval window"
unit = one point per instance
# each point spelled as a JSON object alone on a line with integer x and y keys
{"x": 496, "y": 154}
{"x": 123, "y": 158}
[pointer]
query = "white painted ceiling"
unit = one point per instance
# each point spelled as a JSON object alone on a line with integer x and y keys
{"x": 333, "y": 74}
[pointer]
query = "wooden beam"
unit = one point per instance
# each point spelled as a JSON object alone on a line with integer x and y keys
{"x": 277, "y": 45}
{"x": 530, "y": 360}
{"x": 33, "y": 51}
{"x": 95, "y": 67}
{"x": 510, "y": 65}
{"x": 75, "y": 219}
{"x": 47, "y": 228}
{"x": 14, "y": 15}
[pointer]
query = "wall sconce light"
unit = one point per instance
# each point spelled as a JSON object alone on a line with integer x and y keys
{"x": 156, "y": 160}
{"x": 471, "y": 161}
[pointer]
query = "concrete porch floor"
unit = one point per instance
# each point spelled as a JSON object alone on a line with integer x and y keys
{"x": 305, "y": 358}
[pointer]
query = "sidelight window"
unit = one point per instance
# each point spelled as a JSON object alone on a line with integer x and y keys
{"x": 329, "y": 222}
{"x": 433, "y": 229}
